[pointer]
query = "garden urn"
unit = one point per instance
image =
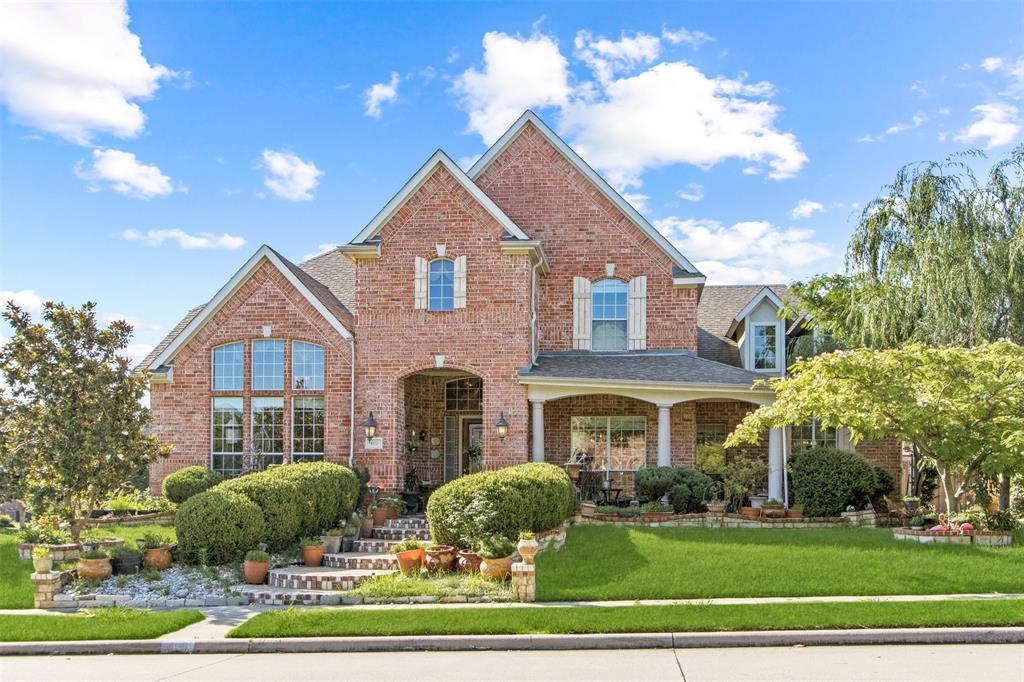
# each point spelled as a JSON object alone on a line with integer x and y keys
{"x": 313, "y": 555}
{"x": 409, "y": 561}
{"x": 499, "y": 569}
{"x": 716, "y": 507}
{"x": 127, "y": 564}
{"x": 42, "y": 564}
{"x": 94, "y": 569}
{"x": 440, "y": 558}
{"x": 157, "y": 557}
{"x": 527, "y": 548}
{"x": 469, "y": 561}
{"x": 255, "y": 571}
{"x": 332, "y": 543}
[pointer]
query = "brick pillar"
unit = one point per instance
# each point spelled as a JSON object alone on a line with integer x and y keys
{"x": 47, "y": 585}
{"x": 524, "y": 582}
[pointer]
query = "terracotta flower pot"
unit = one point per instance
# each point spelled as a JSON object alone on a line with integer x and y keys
{"x": 42, "y": 565}
{"x": 382, "y": 514}
{"x": 528, "y": 549}
{"x": 469, "y": 561}
{"x": 332, "y": 543}
{"x": 751, "y": 512}
{"x": 795, "y": 513}
{"x": 716, "y": 507}
{"x": 94, "y": 569}
{"x": 255, "y": 571}
{"x": 499, "y": 569}
{"x": 440, "y": 558}
{"x": 366, "y": 530}
{"x": 313, "y": 555}
{"x": 774, "y": 512}
{"x": 158, "y": 558}
{"x": 409, "y": 561}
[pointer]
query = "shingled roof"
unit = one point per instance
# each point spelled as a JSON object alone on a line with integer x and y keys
{"x": 715, "y": 314}
{"x": 672, "y": 366}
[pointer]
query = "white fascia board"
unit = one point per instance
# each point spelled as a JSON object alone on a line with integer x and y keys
{"x": 691, "y": 281}
{"x": 417, "y": 180}
{"x": 766, "y": 292}
{"x": 225, "y": 293}
{"x": 531, "y": 248}
{"x": 529, "y": 117}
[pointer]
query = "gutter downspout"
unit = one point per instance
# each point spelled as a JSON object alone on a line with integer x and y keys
{"x": 533, "y": 313}
{"x": 352, "y": 407}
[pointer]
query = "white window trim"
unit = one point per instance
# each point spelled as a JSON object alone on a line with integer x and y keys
{"x": 608, "y": 437}
{"x": 429, "y": 297}
{"x": 252, "y": 363}
{"x": 291, "y": 442}
{"x": 323, "y": 378}
{"x": 594, "y": 320}
{"x": 779, "y": 352}
{"x": 213, "y": 367}
{"x": 252, "y": 420}
{"x": 213, "y": 451}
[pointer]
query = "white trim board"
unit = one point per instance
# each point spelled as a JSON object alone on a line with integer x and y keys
{"x": 765, "y": 292}
{"x": 225, "y": 293}
{"x": 529, "y": 117}
{"x": 439, "y": 158}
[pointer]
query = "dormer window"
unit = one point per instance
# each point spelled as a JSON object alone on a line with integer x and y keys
{"x": 766, "y": 352}
{"x": 611, "y": 307}
{"x": 441, "y": 283}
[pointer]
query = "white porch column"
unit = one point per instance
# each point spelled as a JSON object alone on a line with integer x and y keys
{"x": 775, "y": 470}
{"x": 664, "y": 435}
{"x": 538, "y": 430}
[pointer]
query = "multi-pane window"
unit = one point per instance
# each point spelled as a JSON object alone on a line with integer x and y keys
{"x": 610, "y": 309}
{"x": 612, "y": 443}
{"x": 307, "y": 366}
{"x": 441, "y": 285}
{"x": 812, "y": 434}
{"x": 226, "y": 441}
{"x": 268, "y": 429}
{"x": 229, "y": 367}
{"x": 464, "y": 395}
{"x": 267, "y": 365}
{"x": 710, "y": 433}
{"x": 765, "y": 347}
{"x": 307, "y": 429}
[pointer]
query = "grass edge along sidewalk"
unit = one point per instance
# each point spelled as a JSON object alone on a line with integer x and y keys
{"x": 105, "y": 623}
{"x": 297, "y": 622}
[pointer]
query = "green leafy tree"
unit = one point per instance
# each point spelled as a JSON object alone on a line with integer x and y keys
{"x": 963, "y": 408}
{"x": 73, "y": 427}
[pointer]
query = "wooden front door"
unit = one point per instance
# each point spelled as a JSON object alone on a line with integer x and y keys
{"x": 472, "y": 435}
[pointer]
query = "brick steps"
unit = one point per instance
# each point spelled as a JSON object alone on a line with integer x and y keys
{"x": 412, "y": 522}
{"x": 398, "y": 534}
{"x": 321, "y": 578}
{"x": 283, "y": 596}
{"x": 362, "y": 561}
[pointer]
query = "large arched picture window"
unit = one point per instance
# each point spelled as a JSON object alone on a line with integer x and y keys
{"x": 611, "y": 305}
{"x": 441, "y": 288}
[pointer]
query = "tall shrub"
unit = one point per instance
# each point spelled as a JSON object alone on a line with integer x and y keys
{"x": 278, "y": 498}
{"x": 327, "y": 493}
{"x": 826, "y": 480}
{"x": 184, "y": 483}
{"x": 218, "y": 527}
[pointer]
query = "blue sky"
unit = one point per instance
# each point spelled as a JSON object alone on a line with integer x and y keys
{"x": 149, "y": 149}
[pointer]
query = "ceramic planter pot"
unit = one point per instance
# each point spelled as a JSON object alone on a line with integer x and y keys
{"x": 366, "y": 530}
{"x": 587, "y": 510}
{"x": 716, "y": 507}
{"x": 332, "y": 543}
{"x": 440, "y": 558}
{"x": 94, "y": 569}
{"x": 255, "y": 571}
{"x": 157, "y": 557}
{"x": 382, "y": 514}
{"x": 774, "y": 512}
{"x": 346, "y": 543}
{"x": 528, "y": 549}
{"x": 313, "y": 556}
{"x": 42, "y": 565}
{"x": 751, "y": 512}
{"x": 499, "y": 569}
{"x": 409, "y": 561}
{"x": 126, "y": 565}
{"x": 469, "y": 561}
{"x": 795, "y": 513}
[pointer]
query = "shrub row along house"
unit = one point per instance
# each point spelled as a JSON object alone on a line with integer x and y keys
{"x": 522, "y": 310}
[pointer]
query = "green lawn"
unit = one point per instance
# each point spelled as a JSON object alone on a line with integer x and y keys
{"x": 607, "y": 562}
{"x": 15, "y": 587}
{"x": 298, "y": 622}
{"x": 132, "y": 533}
{"x": 98, "y": 624}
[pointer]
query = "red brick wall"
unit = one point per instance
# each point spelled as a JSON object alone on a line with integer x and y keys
{"x": 883, "y": 453}
{"x": 490, "y": 338}
{"x": 730, "y": 413}
{"x": 181, "y": 410}
{"x": 580, "y": 231}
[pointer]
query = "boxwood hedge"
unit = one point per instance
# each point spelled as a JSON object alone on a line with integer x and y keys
{"x": 278, "y": 498}
{"x": 533, "y": 497}
{"x": 218, "y": 527}
{"x": 326, "y": 493}
{"x": 184, "y": 483}
{"x": 826, "y": 480}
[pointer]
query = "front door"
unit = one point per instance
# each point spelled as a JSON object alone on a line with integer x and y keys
{"x": 471, "y": 444}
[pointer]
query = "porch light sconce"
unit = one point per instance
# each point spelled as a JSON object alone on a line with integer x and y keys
{"x": 502, "y": 425}
{"x": 370, "y": 426}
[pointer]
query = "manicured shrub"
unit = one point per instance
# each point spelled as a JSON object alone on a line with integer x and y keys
{"x": 218, "y": 526}
{"x": 278, "y": 498}
{"x": 687, "y": 495}
{"x": 327, "y": 493}
{"x": 533, "y": 497}
{"x": 184, "y": 483}
{"x": 826, "y": 480}
{"x": 654, "y": 482}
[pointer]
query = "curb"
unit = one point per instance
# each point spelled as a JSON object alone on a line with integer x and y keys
{"x": 688, "y": 640}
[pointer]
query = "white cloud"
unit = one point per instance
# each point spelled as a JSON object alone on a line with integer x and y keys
{"x": 125, "y": 174}
{"x": 136, "y": 353}
{"x": 518, "y": 74}
{"x": 321, "y": 250}
{"x": 745, "y": 252}
{"x": 202, "y": 240}
{"x": 289, "y": 177}
{"x": 919, "y": 89}
{"x": 379, "y": 94}
{"x": 26, "y": 299}
{"x": 998, "y": 124}
{"x": 683, "y": 36}
{"x": 607, "y": 57}
{"x": 453, "y": 56}
{"x": 75, "y": 69}
{"x": 943, "y": 111}
{"x": 637, "y": 200}
{"x": 805, "y": 208}
{"x": 916, "y": 121}
{"x": 1013, "y": 70}
{"x": 466, "y": 162}
{"x": 692, "y": 192}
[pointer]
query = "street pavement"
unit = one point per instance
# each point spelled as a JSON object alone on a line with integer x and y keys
{"x": 931, "y": 663}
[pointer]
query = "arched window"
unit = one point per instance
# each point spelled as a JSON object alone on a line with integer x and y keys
{"x": 611, "y": 305}
{"x": 441, "y": 285}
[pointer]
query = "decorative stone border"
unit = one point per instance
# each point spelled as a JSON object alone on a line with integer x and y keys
{"x": 67, "y": 552}
{"x": 158, "y": 518}
{"x": 988, "y": 538}
{"x": 713, "y": 520}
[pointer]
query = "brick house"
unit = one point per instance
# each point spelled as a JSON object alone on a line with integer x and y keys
{"x": 525, "y": 292}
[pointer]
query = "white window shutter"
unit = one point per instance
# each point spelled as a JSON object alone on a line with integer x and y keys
{"x": 460, "y": 282}
{"x": 843, "y": 441}
{"x": 637, "y": 320}
{"x": 421, "y": 283}
{"x": 582, "y": 311}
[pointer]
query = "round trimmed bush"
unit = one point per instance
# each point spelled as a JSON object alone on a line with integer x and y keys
{"x": 184, "y": 483}
{"x": 533, "y": 497}
{"x": 687, "y": 495}
{"x": 278, "y": 498}
{"x": 654, "y": 482}
{"x": 826, "y": 480}
{"x": 218, "y": 526}
{"x": 326, "y": 493}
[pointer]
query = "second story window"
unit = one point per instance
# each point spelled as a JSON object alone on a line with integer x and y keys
{"x": 229, "y": 367}
{"x": 610, "y": 309}
{"x": 267, "y": 365}
{"x": 307, "y": 366}
{"x": 765, "y": 347}
{"x": 441, "y": 285}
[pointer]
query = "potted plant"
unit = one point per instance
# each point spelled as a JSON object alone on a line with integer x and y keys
{"x": 773, "y": 509}
{"x": 528, "y": 546}
{"x": 911, "y": 503}
{"x": 42, "y": 562}
{"x": 385, "y": 508}
{"x": 440, "y": 558}
{"x": 156, "y": 553}
{"x": 255, "y": 567}
{"x": 496, "y": 552}
{"x": 312, "y": 551}
{"x": 332, "y": 540}
{"x": 917, "y": 522}
{"x": 348, "y": 536}
{"x": 469, "y": 561}
{"x": 795, "y": 512}
{"x": 713, "y": 498}
{"x": 740, "y": 475}
{"x": 94, "y": 564}
{"x": 366, "y": 525}
{"x": 409, "y": 553}
{"x": 126, "y": 560}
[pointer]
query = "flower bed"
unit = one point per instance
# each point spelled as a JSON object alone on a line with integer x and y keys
{"x": 176, "y": 587}
{"x": 989, "y": 538}
{"x": 66, "y": 552}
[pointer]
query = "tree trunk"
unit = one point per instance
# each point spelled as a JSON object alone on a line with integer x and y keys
{"x": 946, "y": 492}
{"x": 1004, "y": 492}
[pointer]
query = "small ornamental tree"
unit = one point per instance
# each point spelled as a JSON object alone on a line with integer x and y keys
{"x": 962, "y": 407}
{"x": 73, "y": 426}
